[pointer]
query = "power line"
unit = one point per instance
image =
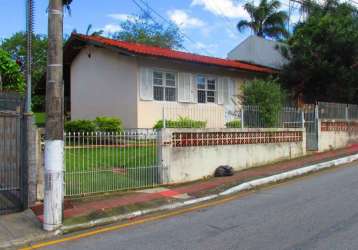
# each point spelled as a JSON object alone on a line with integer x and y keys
{"x": 170, "y": 23}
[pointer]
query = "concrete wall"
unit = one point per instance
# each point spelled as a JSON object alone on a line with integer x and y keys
{"x": 330, "y": 140}
{"x": 194, "y": 162}
{"x": 104, "y": 83}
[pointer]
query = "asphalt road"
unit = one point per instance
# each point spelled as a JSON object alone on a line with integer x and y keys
{"x": 315, "y": 212}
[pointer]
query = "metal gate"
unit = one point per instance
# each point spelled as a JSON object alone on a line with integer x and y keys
{"x": 311, "y": 126}
{"x": 12, "y": 188}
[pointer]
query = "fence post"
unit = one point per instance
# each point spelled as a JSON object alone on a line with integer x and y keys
{"x": 303, "y": 119}
{"x": 242, "y": 117}
{"x": 347, "y": 113}
{"x": 316, "y": 114}
{"x": 163, "y": 117}
{"x": 163, "y": 146}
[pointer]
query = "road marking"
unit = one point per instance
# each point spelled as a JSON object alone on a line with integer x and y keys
{"x": 137, "y": 222}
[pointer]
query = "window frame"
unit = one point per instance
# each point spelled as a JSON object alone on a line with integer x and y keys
{"x": 164, "y": 85}
{"x": 206, "y": 89}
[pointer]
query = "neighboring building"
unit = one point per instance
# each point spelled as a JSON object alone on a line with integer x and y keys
{"x": 135, "y": 81}
{"x": 259, "y": 51}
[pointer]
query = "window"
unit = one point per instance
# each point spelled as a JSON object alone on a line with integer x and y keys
{"x": 206, "y": 89}
{"x": 164, "y": 86}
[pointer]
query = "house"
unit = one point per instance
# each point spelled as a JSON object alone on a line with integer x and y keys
{"x": 259, "y": 51}
{"x": 136, "y": 82}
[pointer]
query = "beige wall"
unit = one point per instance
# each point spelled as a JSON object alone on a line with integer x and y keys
{"x": 104, "y": 84}
{"x": 151, "y": 111}
{"x": 192, "y": 163}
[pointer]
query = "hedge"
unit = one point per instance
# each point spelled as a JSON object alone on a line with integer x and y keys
{"x": 181, "y": 122}
{"x": 100, "y": 124}
{"x": 233, "y": 124}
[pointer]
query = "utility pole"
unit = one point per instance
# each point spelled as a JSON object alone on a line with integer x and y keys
{"x": 54, "y": 145}
{"x": 29, "y": 32}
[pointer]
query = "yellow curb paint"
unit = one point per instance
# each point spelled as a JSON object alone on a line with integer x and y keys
{"x": 137, "y": 222}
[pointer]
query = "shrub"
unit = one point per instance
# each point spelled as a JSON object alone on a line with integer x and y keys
{"x": 233, "y": 124}
{"x": 80, "y": 126}
{"x": 38, "y": 103}
{"x": 108, "y": 124}
{"x": 181, "y": 122}
{"x": 268, "y": 96}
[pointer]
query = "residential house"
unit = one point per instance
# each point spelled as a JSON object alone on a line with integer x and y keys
{"x": 138, "y": 82}
{"x": 259, "y": 51}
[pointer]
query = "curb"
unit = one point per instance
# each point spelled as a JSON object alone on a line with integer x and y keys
{"x": 242, "y": 187}
{"x": 26, "y": 240}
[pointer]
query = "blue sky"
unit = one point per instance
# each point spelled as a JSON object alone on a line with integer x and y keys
{"x": 209, "y": 24}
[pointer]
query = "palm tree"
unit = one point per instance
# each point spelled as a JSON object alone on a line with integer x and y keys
{"x": 266, "y": 19}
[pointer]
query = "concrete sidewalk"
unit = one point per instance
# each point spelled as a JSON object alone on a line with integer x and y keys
{"x": 20, "y": 228}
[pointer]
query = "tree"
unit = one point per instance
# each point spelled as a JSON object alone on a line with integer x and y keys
{"x": 323, "y": 55}
{"x": 16, "y": 47}
{"x": 266, "y": 20}
{"x": 143, "y": 29}
{"x": 268, "y": 96}
{"x": 10, "y": 74}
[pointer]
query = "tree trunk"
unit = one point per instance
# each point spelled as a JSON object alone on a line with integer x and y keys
{"x": 54, "y": 146}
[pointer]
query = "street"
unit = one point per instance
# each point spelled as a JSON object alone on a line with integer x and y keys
{"x": 314, "y": 212}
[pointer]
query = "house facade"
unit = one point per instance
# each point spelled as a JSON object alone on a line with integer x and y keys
{"x": 138, "y": 83}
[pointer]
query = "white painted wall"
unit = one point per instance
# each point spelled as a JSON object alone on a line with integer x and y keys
{"x": 104, "y": 84}
{"x": 193, "y": 163}
{"x": 330, "y": 140}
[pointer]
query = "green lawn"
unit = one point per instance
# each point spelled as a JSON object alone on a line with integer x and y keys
{"x": 102, "y": 169}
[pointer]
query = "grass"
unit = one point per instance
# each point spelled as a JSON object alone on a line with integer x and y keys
{"x": 104, "y": 169}
{"x": 40, "y": 119}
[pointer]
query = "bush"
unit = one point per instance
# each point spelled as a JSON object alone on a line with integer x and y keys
{"x": 181, "y": 122}
{"x": 100, "y": 124}
{"x": 233, "y": 124}
{"x": 268, "y": 96}
{"x": 38, "y": 103}
{"x": 108, "y": 124}
{"x": 80, "y": 126}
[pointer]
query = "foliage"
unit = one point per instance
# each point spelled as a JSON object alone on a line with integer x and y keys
{"x": 267, "y": 20}
{"x": 40, "y": 119}
{"x": 108, "y": 124}
{"x": 10, "y": 73}
{"x": 324, "y": 55}
{"x": 181, "y": 122}
{"x": 268, "y": 96}
{"x": 100, "y": 124}
{"x": 16, "y": 47}
{"x": 38, "y": 103}
{"x": 233, "y": 124}
{"x": 143, "y": 29}
{"x": 84, "y": 126}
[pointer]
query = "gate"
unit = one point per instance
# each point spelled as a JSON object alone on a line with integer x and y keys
{"x": 12, "y": 188}
{"x": 311, "y": 126}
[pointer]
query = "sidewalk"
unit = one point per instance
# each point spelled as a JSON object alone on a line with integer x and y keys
{"x": 126, "y": 202}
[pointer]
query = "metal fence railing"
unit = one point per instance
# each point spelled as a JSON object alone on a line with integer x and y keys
{"x": 337, "y": 111}
{"x": 10, "y": 101}
{"x": 258, "y": 117}
{"x": 102, "y": 162}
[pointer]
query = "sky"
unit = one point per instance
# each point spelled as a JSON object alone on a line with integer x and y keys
{"x": 209, "y": 25}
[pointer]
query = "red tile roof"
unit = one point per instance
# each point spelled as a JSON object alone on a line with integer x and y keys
{"x": 147, "y": 50}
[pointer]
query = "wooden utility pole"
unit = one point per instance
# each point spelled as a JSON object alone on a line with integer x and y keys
{"x": 54, "y": 146}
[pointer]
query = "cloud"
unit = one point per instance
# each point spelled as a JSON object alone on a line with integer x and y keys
{"x": 120, "y": 16}
{"x": 111, "y": 28}
{"x": 183, "y": 20}
{"x": 226, "y": 8}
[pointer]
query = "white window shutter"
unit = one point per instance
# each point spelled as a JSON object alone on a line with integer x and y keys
{"x": 146, "y": 84}
{"x": 184, "y": 87}
{"x": 194, "y": 90}
{"x": 230, "y": 91}
{"x": 222, "y": 83}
